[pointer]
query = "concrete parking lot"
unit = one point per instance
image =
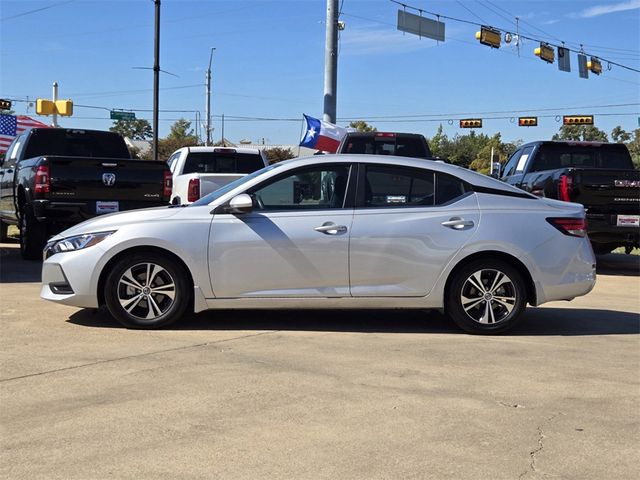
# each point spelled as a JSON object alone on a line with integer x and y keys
{"x": 340, "y": 395}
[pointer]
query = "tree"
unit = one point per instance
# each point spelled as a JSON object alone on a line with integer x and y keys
{"x": 362, "y": 126}
{"x": 137, "y": 129}
{"x": 585, "y": 133}
{"x": 634, "y": 148}
{"x": 619, "y": 135}
{"x": 180, "y": 135}
{"x": 277, "y": 154}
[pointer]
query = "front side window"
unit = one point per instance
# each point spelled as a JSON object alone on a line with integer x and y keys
{"x": 309, "y": 188}
{"x": 510, "y": 167}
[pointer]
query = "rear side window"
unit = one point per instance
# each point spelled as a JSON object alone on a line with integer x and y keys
{"x": 217, "y": 162}
{"x": 552, "y": 157}
{"x": 448, "y": 188}
{"x": 398, "y": 187}
{"x": 75, "y": 143}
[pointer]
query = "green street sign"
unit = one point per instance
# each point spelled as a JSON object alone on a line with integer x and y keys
{"x": 115, "y": 115}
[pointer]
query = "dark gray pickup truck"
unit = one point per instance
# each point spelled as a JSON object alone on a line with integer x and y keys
{"x": 53, "y": 178}
{"x": 600, "y": 176}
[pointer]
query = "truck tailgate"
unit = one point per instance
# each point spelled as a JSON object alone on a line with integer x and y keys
{"x": 607, "y": 191}
{"x": 138, "y": 183}
{"x": 210, "y": 182}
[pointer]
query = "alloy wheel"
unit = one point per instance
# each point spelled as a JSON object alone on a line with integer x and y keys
{"x": 488, "y": 296}
{"x": 146, "y": 291}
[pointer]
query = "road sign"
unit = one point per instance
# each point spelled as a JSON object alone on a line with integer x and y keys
{"x": 116, "y": 115}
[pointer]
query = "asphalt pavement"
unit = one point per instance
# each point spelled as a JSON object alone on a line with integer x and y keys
{"x": 320, "y": 394}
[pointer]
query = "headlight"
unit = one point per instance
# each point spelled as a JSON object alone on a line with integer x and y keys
{"x": 77, "y": 242}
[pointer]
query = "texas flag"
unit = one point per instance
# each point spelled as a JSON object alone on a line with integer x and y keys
{"x": 322, "y": 135}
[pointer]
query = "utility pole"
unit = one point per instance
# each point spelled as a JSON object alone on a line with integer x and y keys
{"x": 331, "y": 62}
{"x": 207, "y": 141}
{"x": 156, "y": 78}
{"x": 54, "y": 116}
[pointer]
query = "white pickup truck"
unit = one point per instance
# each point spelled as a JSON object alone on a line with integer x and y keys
{"x": 198, "y": 171}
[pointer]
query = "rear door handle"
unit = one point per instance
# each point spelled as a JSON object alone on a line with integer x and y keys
{"x": 458, "y": 223}
{"x": 330, "y": 228}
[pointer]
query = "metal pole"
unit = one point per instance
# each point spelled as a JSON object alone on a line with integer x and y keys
{"x": 54, "y": 117}
{"x": 208, "y": 92}
{"x": 156, "y": 78}
{"x": 223, "y": 131}
{"x": 331, "y": 62}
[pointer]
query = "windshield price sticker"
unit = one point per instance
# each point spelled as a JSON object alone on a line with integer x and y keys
{"x": 628, "y": 221}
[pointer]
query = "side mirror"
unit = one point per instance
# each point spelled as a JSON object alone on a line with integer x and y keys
{"x": 240, "y": 204}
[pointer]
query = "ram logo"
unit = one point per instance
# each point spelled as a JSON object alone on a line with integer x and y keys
{"x": 109, "y": 179}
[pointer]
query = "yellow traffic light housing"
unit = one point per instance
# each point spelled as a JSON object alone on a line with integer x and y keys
{"x": 594, "y": 65}
{"x": 45, "y": 107}
{"x": 577, "y": 120}
{"x": 528, "y": 121}
{"x": 64, "y": 107}
{"x": 471, "y": 123}
{"x": 545, "y": 52}
{"x": 5, "y": 104}
{"x": 489, "y": 36}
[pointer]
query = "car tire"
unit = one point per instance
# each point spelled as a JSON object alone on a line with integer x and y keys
{"x": 4, "y": 232}
{"x": 486, "y": 297}
{"x": 138, "y": 303}
{"x": 33, "y": 234}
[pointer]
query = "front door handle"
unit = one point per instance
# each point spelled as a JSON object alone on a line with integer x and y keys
{"x": 331, "y": 228}
{"x": 458, "y": 223}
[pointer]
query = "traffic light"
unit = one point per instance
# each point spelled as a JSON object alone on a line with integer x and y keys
{"x": 528, "y": 121}
{"x": 489, "y": 36}
{"x": 5, "y": 104}
{"x": 577, "y": 120}
{"x": 45, "y": 107}
{"x": 471, "y": 123}
{"x": 594, "y": 65}
{"x": 545, "y": 52}
{"x": 64, "y": 108}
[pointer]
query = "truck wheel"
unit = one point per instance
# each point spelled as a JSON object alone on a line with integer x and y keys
{"x": 4, "y": 232}
{"x": 147, "y": 290}
{"x": 486, "y": 297}
{"x": 33, "y": 235}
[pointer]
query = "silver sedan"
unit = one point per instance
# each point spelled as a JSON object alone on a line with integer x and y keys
{"x": 332, "y": 232}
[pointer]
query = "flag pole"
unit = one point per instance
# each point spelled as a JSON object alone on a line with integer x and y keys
{"x": 301, "y": 133}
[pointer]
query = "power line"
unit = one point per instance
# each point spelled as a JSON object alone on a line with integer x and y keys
{"x": 29, "y": 12}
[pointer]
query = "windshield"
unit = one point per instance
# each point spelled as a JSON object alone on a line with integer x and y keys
{"x": 207, "y": 199}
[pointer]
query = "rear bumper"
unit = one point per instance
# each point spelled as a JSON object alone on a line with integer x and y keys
{"x": 602, "y": 228}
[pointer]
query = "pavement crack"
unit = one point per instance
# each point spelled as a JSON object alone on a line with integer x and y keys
{"x": 140, "y": 355}
{"x": 532, "y": 454}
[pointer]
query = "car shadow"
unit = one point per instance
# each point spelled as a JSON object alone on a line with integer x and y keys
{"x": 618, "y": 264}
{"x": 536, "y": 321}
{"x": 13, "y": 269}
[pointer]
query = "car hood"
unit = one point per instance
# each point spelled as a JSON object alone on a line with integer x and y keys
{"x": 114, "y": 221}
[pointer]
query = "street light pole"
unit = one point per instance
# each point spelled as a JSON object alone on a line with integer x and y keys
{"x": 156, "y": 78}
{"x": 208, "y": 89}
{"x": 331, "y": 62}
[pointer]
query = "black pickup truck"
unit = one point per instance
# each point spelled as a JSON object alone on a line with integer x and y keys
{"x": 600, "y": 176}
{"x": 53, "y": 178}
{"x": 386, "y": 143}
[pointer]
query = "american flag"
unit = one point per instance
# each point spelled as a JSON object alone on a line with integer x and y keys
{"x": 12, "y": 126}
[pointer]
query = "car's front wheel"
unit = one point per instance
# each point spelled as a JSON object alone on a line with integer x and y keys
{"x": 486, "y": 297}
{"x": 147, "y": 290}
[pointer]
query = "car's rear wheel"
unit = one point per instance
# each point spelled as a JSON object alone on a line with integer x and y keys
{"x": 4, "y": 232}
{"x": 147, "y": 291}
{"x": 486, "y": 296}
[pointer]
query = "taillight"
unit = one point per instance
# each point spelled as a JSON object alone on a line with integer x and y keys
{"x": 167, "y": 184}
{"x": 385, "y": 134}
{"x": 42, "y": 181}
{"x": 574, "y": 227}
{"x": 193, "y": 192}
{"x": 565, "y": 188}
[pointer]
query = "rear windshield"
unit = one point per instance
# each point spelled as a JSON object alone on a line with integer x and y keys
{"x": 222, "y": 162}
{"x": 75, "y": 143}
{"x": 398, "y": 145}
{"x": 551, "y": 157}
